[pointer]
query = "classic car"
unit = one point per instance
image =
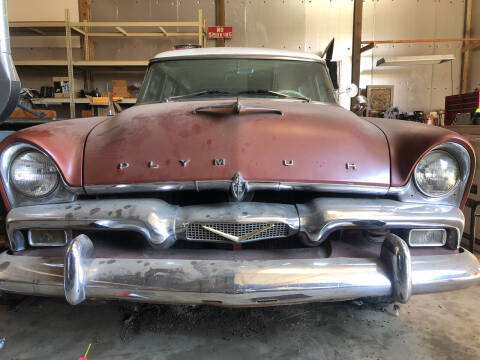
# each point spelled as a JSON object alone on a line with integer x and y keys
{"x": 235, "y": 180}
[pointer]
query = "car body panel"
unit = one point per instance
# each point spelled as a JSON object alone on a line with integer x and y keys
{"x": 63, "y": 141}
{"x": 409, "y": 141}
{"x": 320, "y": 139}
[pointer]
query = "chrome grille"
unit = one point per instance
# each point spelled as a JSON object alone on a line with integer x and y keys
{"x": 195, "y": 231}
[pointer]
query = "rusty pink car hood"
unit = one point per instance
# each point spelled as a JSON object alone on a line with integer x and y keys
{"x": 318, "y": 139}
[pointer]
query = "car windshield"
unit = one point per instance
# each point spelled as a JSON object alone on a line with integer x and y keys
{"x": 178, "y": 80}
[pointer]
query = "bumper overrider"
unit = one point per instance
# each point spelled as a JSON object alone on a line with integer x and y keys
{"x": 238, "y": 278}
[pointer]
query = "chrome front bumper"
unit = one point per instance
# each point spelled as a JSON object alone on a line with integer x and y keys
{"x": 161, "y": 224}
{"x": 245, "y": 278}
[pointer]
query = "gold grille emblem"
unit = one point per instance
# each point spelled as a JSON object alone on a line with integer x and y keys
{"x": 234, "y": 238}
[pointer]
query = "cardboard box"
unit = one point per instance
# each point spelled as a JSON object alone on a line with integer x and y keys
{"x": 87, "y": 113}
{"x": 120, "y": 88}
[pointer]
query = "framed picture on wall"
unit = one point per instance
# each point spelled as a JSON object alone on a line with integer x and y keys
{"x": 379, "y": 97}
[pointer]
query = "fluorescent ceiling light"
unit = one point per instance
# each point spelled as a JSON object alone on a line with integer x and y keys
{"x": 414, "y": 60}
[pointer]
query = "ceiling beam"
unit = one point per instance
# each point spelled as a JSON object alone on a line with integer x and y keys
{"x": 377, "y": 42}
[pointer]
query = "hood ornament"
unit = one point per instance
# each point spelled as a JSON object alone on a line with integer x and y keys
{"x": 239, "y": 187}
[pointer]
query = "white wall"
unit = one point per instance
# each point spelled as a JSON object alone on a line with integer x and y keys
{"x": 419, "y": 87}
{"x": 41, "y": 10}
{"x": 306, "y": 25}
{"x": 309, "y": 25}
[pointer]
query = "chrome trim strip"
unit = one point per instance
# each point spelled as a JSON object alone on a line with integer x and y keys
{"x": 62, "y": 193}
{"x": 251, "y": 185}
{"x": 226, "y": 52}
{"x": 235, "y": 281}
{"x": 161, "y": 223}
{"x": 154, "y": 219}
{"x": 321, "y": 216}
{"x": 237, "y": 56}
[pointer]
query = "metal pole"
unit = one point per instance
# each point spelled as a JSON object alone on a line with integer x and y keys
{"x": 200, "y": 27}
{"x": 220, "y": 19}
{"x": 356, "y": 41}
{"x": 71, "y": 78}
{"x": 466, "y": 54}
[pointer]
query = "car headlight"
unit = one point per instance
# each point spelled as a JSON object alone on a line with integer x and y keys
{"x": 437, "y": 173}
{"x": 33, "y": 174}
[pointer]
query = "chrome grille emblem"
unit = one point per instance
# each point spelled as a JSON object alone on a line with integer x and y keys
{"x": 123, "y": 165}
{"x": 238, "y": 239}
{"x": 184, "y": 163}
{"x": 238, "y": 187}
{"x": 237, "y": 231}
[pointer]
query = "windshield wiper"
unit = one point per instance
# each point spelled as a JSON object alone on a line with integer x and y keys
{"x": 199, "y": 93}
{"x": 275, "y": 93}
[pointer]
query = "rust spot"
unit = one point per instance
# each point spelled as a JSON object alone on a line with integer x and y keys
{"x": 118, "y": 213}
{"x": 94, "y": 211}
{"x": 4, "y": 266}
{"x": 146, "y": 264}
{"x": 68, "y": 207}
{"x": 110, "y": 213}
{"x": 167, "y": 162}
{"x": 77, "y": 207}
{"x": 127, "y": 206}
{"x": 110, "y": 261}
{"x": 209, "y": 141}
{"x": 69, "y": 216}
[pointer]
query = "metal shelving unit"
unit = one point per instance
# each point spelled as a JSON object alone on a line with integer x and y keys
{"x": 51, "y": 101}
{"x": 87, "y": 29}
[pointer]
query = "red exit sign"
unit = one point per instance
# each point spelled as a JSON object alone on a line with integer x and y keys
{"x": 220, "y": 32}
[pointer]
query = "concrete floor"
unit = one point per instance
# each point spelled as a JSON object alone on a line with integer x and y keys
{"x": 439, "y": 326}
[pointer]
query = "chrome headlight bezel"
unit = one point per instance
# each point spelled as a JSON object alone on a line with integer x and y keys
{"x": 61, "y": 193}
{"x": 443, "y": 154}
{"x": 410, "y": 192}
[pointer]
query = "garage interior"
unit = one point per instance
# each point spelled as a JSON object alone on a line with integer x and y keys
{"x": 411, "y": 60}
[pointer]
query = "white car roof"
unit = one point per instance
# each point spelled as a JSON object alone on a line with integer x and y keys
{"x": 259, "y": 53}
